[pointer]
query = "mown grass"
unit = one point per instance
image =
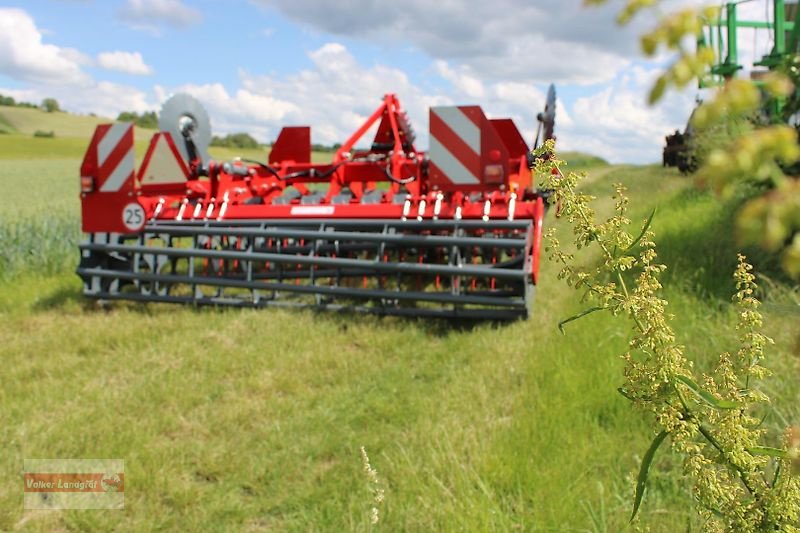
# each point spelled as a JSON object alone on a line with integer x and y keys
{"x": 237, "y": 419}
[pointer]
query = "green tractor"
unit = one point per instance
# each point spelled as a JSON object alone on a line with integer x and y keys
{"x": 721, "y": 35}
{"x": 678, "y": 149}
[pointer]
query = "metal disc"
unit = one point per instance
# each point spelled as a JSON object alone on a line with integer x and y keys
{"x": 181, "y": 115}
{"x": 549, "y": 113}
{"x": 547, "y": 118}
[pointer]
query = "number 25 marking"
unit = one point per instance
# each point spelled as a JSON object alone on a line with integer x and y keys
{"x": 133, "y": 217}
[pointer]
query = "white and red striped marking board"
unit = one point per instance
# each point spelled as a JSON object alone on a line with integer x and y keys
{"x": 463, "y": 143}
{"x": 110, "y": 163}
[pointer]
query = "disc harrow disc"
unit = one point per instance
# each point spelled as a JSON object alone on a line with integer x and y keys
{"x": 182, "y": 115}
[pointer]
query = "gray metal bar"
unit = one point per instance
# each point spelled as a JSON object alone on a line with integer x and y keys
{"x": 440, "y": 297}
{"x": 393, "y": 267}
{"x": 416, "y": 312}
{"x": 396, "y": 239}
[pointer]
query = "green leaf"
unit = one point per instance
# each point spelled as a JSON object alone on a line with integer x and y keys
{"x": 625, "y": 393}
{"x": 644, "y": 230}
{"x": 641, "y": 481}
{"x": 768, "y": 450}
{"x": 706, "y": 396}
{"x": 576, "y": 317}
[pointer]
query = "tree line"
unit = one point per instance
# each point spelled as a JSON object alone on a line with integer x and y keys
{"x": 48, "y": 104}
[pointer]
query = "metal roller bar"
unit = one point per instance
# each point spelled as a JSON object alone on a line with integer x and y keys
{"x": 422, "y": 312}
{"x": 389, "y": 238}
{"x": 429, "y": 296}
{"x": 378, "y": 266}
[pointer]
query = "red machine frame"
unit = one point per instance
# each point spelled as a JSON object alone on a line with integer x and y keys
{"x": 478, "y": 173}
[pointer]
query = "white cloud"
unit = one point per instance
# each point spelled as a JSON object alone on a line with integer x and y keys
{"x": 553, "y": 40}
{"x": 323, "y": 96}
{"x": 617, "y": 123}
{"x": 336, "y": 93}
{"x": 462, "y": 79}
{"x": 50, "y": 71}
{"x": 24, "y": 56}
{"x": 149, "y": 15}
{"x": 127, "y": 62}
{"x": 614, "y": 122}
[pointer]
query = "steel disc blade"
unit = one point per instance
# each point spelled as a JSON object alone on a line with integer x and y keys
{"x": 180, "y": 111}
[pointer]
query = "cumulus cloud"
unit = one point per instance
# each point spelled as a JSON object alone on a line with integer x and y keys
{"x": 50, "y": 71}
{"x": 613, "y": 121}
{"x": 127, "y": 62}
{"x": 490, "y": 62}
{"x": 617, "y": 123}
{"x": 506, "y": 39}
{"x": 24, "y": 55}
{"x": 150, "y": 15}
{"x": 462, "y": 79}
{"x": 323, "y": 96}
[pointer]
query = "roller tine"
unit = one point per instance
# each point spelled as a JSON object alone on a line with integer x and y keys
{"x": 494, "y": 262}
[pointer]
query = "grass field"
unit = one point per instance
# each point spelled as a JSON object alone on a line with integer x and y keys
{"x": 252, "y": 420}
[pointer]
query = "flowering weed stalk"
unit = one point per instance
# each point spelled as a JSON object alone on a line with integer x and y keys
{"x": 740, "y": 483}
{"x": 374, "y": 487}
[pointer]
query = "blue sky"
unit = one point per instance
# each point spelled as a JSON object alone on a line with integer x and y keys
{"x": 259, "y": 64}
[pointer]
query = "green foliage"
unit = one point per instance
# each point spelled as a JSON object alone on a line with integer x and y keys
{"x": 148, "y": 119}
{"x": 10, "y": 102}
{"x": 324, "y": 148}
{"x": 708, "y": 139}
{"x": 670, "y": 33}
{"x": 773, "y": 222}
{"x": 732, "y": 154}
{"x": 644, "y": 470}
{"x": 713, "y": 426}
{"x": 50, "y": 105}
{"x": 235, "y": 140}
{"x": 44, "y": 245}
{"x": 44, "y": 134}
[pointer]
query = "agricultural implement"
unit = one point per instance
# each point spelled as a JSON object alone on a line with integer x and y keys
{"x": 721, "y": 34}
{"x": 678, "y": 149}
{"x": 383, "y": 228}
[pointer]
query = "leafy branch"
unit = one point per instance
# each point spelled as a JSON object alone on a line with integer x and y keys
{"x": 711, "y": 426}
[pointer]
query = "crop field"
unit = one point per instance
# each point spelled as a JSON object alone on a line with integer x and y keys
{"x": 254, "y": 420}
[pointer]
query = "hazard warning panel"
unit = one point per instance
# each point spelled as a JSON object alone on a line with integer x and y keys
{"x": 464, "y": 148}
{"x": 107, "y": 182}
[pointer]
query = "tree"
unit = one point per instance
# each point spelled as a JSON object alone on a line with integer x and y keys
{"x": 148, "y": 119}
{"x": 235, "y": 140}
{"x": 50, "y": 105}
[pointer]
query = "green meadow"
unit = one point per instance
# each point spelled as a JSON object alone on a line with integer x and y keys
{"x": 253, "y": 420}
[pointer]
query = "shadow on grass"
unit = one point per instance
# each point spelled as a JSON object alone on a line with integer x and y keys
{"x": 435, "y": 327}
{"x": 61, "y": 298}
{"x": 69, "y": 297}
